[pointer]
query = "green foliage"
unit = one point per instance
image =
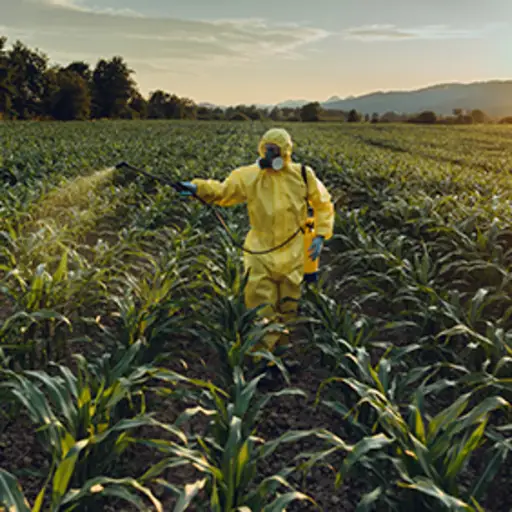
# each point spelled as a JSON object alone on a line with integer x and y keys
{"x": 410, "y": 323}
{"x": 354, "y": 116}
{"x": 81, "y": 68}
{"x": 478, "y": 116}
{"x": 426, "y": 117}
{"x": 162, "y": 105}
{"x": 78, "y": 415}
{"x": 85, "y": 422}
{"x": 12, "y": 497}
{"x": 29, "y": 89}
{"x": 112, "y": 87}
{"x": 229, "y": 452}
{"x": 311, "y": 112}
{"x": 5, "y": 81}
{"x": 27, "y": 80}
{"x": 72, "y": 99}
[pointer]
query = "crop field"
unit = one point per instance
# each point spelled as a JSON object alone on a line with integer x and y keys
{"x": 126, "y": 380}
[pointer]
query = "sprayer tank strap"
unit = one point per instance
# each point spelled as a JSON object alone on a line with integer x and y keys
{"x": 305, "y": 178}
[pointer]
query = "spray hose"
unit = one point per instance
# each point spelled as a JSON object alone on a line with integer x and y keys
{"x": 180, "y": 188}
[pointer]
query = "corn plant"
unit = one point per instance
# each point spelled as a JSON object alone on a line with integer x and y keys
{"x": 481, "y": 344}
{"x": 229, "y": 451}
{"x": 34, "y": 314}
{"x": 87, "y": 497}
{"x": 430, "y": 453}
{"x": 149, "y": 310}
{"x": 85, "y": 422}
{"x": 234, "y": 331}
{"x": 336, "y": 331}
{"x": 413, "y": 311}
{"x": 50, "y": 305}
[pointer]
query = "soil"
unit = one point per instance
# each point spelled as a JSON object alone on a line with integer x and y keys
{"x": 19, "y": 449}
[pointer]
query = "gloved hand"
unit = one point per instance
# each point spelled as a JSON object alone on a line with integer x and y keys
{"x": 316, "y": 247}
{"x": 189, "y": 189}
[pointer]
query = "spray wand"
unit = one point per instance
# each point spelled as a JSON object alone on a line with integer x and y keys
{"x": 180, "y": 188}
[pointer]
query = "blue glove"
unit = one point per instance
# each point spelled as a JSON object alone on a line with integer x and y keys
{"x": 316, "y": 247}
{"x": 190, "y": 189}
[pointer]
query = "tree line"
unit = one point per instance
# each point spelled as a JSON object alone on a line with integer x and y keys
{"x": 33, "y": 88}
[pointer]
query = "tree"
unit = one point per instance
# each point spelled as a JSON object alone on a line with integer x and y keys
{"x": 290, "y": 114}
{"x": 367, "y": 118}
{"x": 275, "y": 114}
{"x": 81, "y": 68}
{"x": 71, "y": 99}
{"x": 204, "y": 113}
{"x": 51, "y": 88}
{"x": 311, "y": 112}
{"x": 28, "y": 80}
{"x": 465, "y": 119}
{"x": 426, "y": 117}
{"x": 187, "y": 109}
{"x": 157, "y": 104}
{"x": 138, "y": 106}
{"x": 375, "y": 118}
{"x": 478, "y": 116}
{"x": 234, "y": 115}
{"x": 218, "y": 114}
{"x": 393, "y": 117}
{"x": 457, "y": 112}
{"x": 112, "y": 88}
{"x": 354, "y": 116}
{"x": 251, "y": 112}
{"x": 163, "y": 105}
{"x": 6, "y": 90}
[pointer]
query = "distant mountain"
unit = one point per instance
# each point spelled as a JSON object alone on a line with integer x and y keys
{"x": 300, "y": 103}
{"x": 493, "y": 97}
{"x": 205, "y": 104}
{"x": 209, "y": 105}
{"x": 292, "y": 103}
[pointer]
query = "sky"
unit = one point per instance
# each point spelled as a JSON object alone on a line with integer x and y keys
{"x": 229, "y": 52}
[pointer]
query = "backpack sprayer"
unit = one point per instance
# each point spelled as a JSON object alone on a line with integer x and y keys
{"x": 310, "y": 266}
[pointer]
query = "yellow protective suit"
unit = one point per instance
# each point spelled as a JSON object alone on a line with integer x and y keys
{"x": 276, "y": 202}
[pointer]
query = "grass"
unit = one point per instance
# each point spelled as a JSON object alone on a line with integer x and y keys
{"x": 124, "y": 339}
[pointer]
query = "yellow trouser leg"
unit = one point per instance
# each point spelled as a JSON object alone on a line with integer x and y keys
{"x": 289, "y": 288}
{"x": 262, "y": 289}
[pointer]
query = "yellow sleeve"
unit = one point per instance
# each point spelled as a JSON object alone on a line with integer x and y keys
{"x": 321, "y": 200}
{"x": 229, "y": 192}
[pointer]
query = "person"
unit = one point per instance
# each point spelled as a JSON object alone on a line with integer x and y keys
{"x": 275, "y": 192}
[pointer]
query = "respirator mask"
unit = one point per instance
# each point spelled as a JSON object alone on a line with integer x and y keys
{"x": 272, "y": 159}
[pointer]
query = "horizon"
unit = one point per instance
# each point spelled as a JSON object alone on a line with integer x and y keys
{"x": 389, "y": 91}
{"x": 231, "y": 54}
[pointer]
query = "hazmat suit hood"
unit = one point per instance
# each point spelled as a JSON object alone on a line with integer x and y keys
{"x": 280, "y": 137}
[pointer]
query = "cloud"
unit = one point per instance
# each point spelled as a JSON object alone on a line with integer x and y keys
{"x": 54, "y": 25}
{"x": 62, "y": 3}
{"x": 371, "y": 33}
{"x": 77, "y": 5}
